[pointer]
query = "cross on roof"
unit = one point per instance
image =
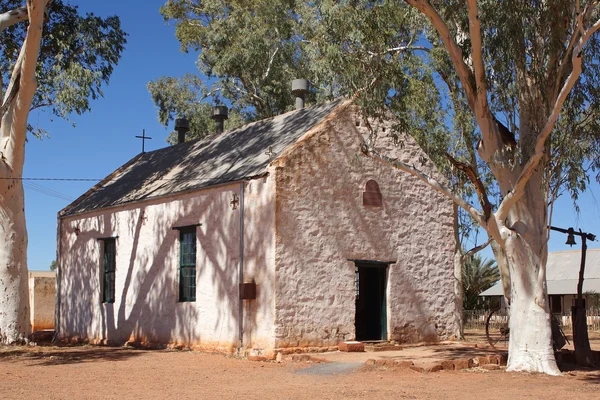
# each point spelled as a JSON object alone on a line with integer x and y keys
{"x": 144, "y": 138}
{"x": 270, "y": 153}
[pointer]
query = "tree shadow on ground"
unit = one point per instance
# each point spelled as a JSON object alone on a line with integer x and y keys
{"x": 452, "y": 353}
{"x": 593, "y": 378}
{"x": 53, "y": 355}
{"x": 567, "y": 363}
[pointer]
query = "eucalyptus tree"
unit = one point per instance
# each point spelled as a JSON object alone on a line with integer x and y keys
{"x": 529, "y": 74}
{"x": 248, "y": 52}
{"x": 520, "y": 82}
{"x": 51, "y": 57}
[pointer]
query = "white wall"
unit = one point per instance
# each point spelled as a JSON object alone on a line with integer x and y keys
{"x": 42, "y": 299}
{"x": 321, "y": 223}
{"x": 146, "y": 307}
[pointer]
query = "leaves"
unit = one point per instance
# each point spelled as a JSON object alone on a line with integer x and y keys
{"x": 247, "y": 48}
{"x": 183, "y": 97}
{"x": 390, "y": 55}
{"x": 77, "y": 56}
{"x": 478, "y": 274}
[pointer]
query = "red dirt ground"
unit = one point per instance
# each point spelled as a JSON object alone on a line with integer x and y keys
{"x": 88, "y": 372}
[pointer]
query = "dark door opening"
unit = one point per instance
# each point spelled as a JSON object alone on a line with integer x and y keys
{"x": 371, "y": 316}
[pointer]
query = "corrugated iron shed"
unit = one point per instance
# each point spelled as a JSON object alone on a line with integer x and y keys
{"x": 562, "y": 273}
{"x": 229, "y": 157}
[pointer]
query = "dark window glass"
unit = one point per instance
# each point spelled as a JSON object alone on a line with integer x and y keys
{"x": 108, "y": 266}
{"x": 556, "y": 303}
{"x": 187, "y": 264}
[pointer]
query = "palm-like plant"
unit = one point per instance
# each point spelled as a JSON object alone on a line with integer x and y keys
{"x": 478, "y": 274}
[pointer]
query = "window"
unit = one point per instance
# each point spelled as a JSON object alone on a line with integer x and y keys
{"x": 108, "y": 273}
{"x": 556, "y": 303}
{"x": 187, "y": 264}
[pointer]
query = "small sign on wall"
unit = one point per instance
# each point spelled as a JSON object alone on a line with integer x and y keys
{"x": 248, "y": 291}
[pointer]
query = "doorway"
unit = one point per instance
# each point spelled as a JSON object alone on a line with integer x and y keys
{"x": 371, "y": 316}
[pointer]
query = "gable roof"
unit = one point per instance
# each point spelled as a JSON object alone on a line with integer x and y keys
{"x": 562, "y": 273}
{"x": 198, "y": 164}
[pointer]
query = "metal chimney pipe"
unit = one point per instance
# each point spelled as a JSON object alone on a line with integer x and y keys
{"x": 220, "y": 114}
{"x": 182, "y": 126}
{"x": 300, "y": 88}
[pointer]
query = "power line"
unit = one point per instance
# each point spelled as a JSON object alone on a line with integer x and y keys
{"x": 47, "y": 191}
{"x": 55, "y": 179}
{"x": 98, "y": 180}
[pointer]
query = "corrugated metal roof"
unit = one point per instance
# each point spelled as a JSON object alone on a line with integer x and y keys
{"x": 232, "y": 156}
{"x": 562, "y": 273}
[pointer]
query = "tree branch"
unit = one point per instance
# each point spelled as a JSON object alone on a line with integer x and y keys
{"x": 477, "y": 216}
{"x": 477, "y": 249}
{"x": 11, "y": 93}
{"x": 515, "y": 194}
{"x": 14, "y": 121}
{"x": 479, "y": 187}
{"x": 40, "y": 106}
{"x": 266, "y": 74}
{"x": 476, "y": 55}
{"x": 399, "y": 49}
{"x": 454, "y": 51}
{"x": 12, "y": 17}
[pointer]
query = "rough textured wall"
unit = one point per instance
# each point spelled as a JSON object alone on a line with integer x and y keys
{"x": 42, "y": 299}
{"x": 146, "y": 307}
{"x": 321, "y": 223}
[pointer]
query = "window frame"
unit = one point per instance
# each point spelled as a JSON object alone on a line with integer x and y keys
{"x": 109, "y": 270}
{"x": 187, "y": 264}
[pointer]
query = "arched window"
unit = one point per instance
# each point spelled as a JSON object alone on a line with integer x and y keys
{"x": 372, "y": 195}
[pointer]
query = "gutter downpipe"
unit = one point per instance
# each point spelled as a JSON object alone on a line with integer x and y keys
{"x": 241, "y": 271}
{"x": 58, "y": 277}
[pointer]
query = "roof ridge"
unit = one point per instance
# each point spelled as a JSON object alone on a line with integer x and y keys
{"x": 572, "y": 251}
{"x": 201, "y": 163}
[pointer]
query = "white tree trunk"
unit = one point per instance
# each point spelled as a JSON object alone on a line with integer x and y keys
{"x": 530, "y": 344}
{"x": 458, "y": 282}
{"x": 14, "y": 294}
{"x": 458, "y": 295}
{"x": 525, "y": 247}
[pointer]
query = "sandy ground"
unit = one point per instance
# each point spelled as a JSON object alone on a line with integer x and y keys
{"x": 88, "y": 372}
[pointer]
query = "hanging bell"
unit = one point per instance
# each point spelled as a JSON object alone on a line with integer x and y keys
{"x": 571, "y": 238}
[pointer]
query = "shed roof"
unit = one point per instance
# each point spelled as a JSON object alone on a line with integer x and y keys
{"x": 562, "y": 273}
{"x": 232, "y": 156}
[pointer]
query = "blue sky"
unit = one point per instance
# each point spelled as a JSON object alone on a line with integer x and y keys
{"x": 104, "y": 139}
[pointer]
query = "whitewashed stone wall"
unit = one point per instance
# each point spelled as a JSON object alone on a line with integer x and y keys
{"x": 42, "y": 299}
{"x": 321, "y": 224}
{"x": 146, "y": 308}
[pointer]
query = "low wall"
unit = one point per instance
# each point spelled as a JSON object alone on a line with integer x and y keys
{"x": 42, "y": 299}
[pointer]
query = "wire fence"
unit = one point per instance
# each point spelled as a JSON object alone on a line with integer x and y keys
{"x": 476, "y": 319}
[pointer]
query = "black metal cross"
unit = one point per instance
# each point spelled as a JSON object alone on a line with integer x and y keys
{"x": 143, "y": 137}
{"x": 234, "y": 202}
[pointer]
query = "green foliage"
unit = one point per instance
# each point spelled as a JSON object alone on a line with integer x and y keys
{"x": 247, "y": 48}
{"x": 77, "y": 56}
{"x": 478, "y": 275}
{"x": 176, "y": 97}
{"x": 53, "y": 265}
{"x": 593, "y": 299}
{"x": 390, "y": 55}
